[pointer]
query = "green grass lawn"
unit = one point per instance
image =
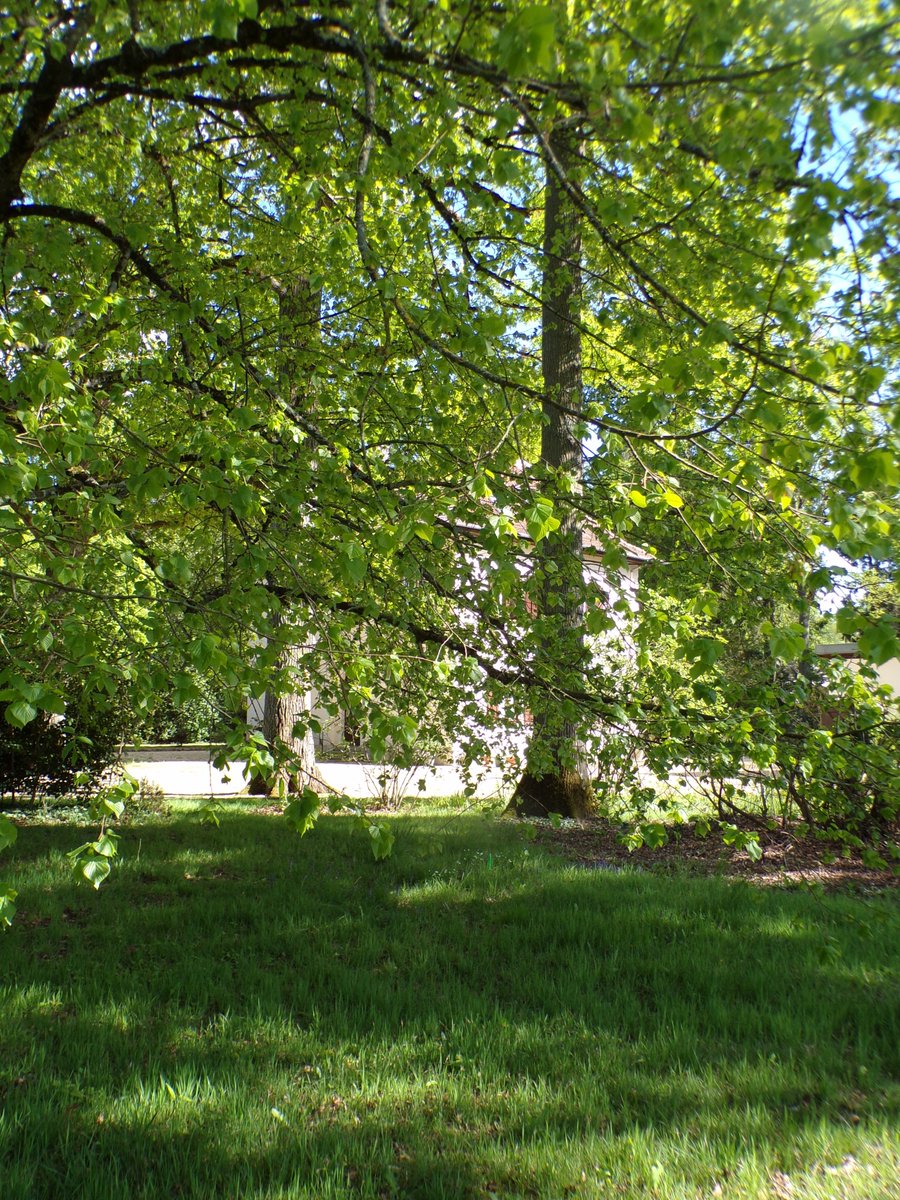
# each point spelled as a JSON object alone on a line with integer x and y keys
{"x": 239, "y": 1013}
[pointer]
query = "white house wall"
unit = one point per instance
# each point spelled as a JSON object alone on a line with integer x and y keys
{"x": 613, "y": 651}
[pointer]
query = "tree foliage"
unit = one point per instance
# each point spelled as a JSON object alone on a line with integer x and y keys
{"x": 173, "y": 504}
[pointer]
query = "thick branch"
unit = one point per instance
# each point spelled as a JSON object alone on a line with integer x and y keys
{"x": 55, "y": 75}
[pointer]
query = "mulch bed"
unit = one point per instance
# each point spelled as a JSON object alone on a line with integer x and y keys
{"x": 787, "y": 858}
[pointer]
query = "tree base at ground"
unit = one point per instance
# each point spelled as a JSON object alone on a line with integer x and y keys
{"x": 564, "y": 792}
{"x": 288, "y": 785}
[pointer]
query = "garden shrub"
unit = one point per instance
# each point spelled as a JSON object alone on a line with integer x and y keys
{"x": 203, "y": 717}
{"x": 68, "y": 756}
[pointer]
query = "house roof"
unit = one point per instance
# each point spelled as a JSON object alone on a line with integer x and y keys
{"x": 837, "y": 650}
{"x": 595, "y": 545}
{"x": 592, "y": 543}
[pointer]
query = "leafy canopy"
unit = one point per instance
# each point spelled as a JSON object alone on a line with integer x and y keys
{"x": 192, "y": 457}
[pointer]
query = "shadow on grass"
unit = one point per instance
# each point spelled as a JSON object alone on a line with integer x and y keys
{"x": 242, "y": 1013}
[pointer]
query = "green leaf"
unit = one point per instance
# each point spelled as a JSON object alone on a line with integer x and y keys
{"x": 598, "y": 621}
{"x": 527, "y": 41}
{"x": 731, "y": 835}
{"x": 51, "y": 702}
{"x": 150, "y": 485}
{"x": 226, "y": 16}
{"x": 654, "y": 834}
{"x": 879, "y": 643}
{"x": 175, "y": 568}
{"x": 753, "y": 848}
{"x": 848, "y": 621}
{"x": 715, "y": 333}
{"x": 7, "y": 907}
{"x": 539, "y": 519}
{"x": 107, "y": 845}
{"x": 20, "y": 713}
{"x": 114, "y": 808}
{"x": 876, "y": 468}
{"x": 301, "y": 813}
{"x": 124, "y": 788}
{"x": 740, "y": 839}
{"x": 381, "y": 841}
{"x": 786, "y": 642}
{"x": 8, "y": 832}
{"x": 638, "y": 498}
{"x": 95, "y": 870}
{"x": 705, "y": 650}
{"x": 632, "y": 839}
{"x": 352, "y": 562}
{"x": 672, "y": 499}
{"x": 870, "y": 380}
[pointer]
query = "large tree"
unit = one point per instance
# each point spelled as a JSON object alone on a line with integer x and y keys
{"x": 288, "y": 701}
{"x": 554, "y": 780}
{"x": 730, "y": 175}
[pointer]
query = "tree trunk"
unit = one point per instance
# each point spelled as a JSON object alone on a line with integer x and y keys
{"x": 300, "y": 312}
{"x": 282, "y": 710}
{"x": 553, "y": 780}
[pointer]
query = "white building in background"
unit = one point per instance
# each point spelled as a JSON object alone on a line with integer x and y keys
{"x": 336, "y": 735}
{"x": 190, "y": 770}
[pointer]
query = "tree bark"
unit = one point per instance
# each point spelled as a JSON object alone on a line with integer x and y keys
{"x": 300, "y": 312}
{"x": 282, "y": 711}
{"x": 553, "y": 780}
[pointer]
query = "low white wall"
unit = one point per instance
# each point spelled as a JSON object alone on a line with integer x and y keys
{"x": 184, "y": 771}
{"x": 189, "y": 771}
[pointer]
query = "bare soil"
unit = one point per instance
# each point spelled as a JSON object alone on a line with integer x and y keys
{"x": 787, "y": 859}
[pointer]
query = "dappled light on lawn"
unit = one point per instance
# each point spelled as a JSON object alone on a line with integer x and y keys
{"x": 241, "y": 1012}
